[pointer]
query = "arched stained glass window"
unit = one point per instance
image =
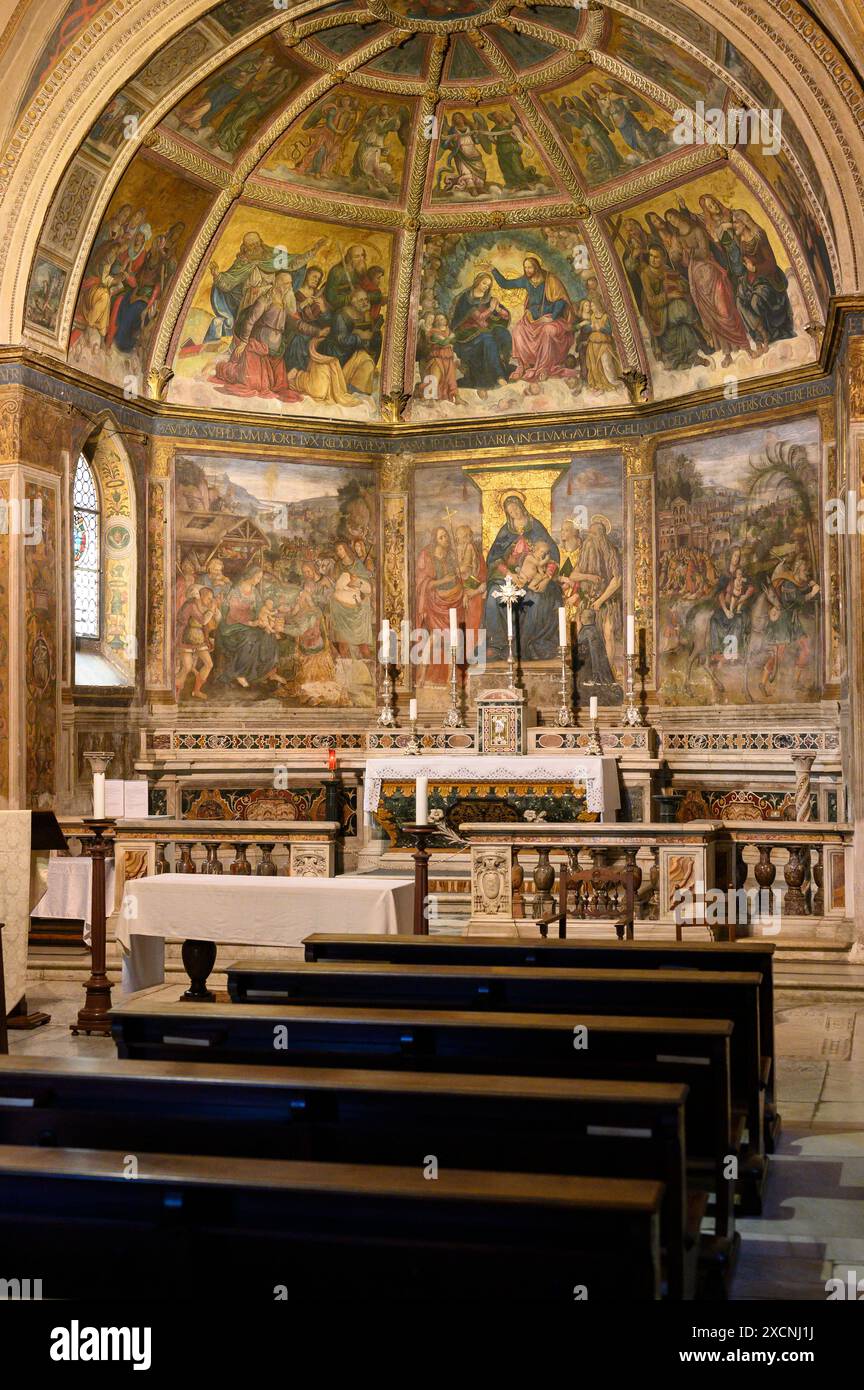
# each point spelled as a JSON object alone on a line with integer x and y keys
{"x": 85, "y": 550}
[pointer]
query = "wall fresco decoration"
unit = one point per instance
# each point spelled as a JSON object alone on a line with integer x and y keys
{"x": 558, "y": 529}
{"x": 739, "y": 582}
{"x": 275, "y": 586}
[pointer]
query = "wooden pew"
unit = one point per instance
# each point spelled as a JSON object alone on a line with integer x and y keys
{"x": 672, "y": 993}
{"x": 752, "y": 955}
{"x": 518, "y": 1124}
{"x": 321, "y": 1230}
{"x": 693, "y": 1052}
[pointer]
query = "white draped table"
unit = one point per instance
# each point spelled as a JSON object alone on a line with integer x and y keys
{"x": 249, "y": 911}
{"x": 599, "y": 776}
{"x": 69, "y": 890}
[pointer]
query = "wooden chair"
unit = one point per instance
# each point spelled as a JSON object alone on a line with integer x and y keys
{"x": 587, "y": 895}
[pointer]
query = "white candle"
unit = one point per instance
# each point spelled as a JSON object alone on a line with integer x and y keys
{"x": 562, "y": 628}
{"x": 454, "y": 630}
{"x": 593, "y": 707}
{"x": 421, "y": 801}
{"x": 631, "y": 635}
{"x": 412, "y": 709}
{"x": 509, "y": 620}
{"x": 385, "y": 641}
{"x": 99, "y": 795}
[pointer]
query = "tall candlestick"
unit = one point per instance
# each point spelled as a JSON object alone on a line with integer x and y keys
{"x": 421, "y": 801}
{"x": 631, "y": 635}
{"x": 562, "y": 627}
{"x": 594, "y": 747}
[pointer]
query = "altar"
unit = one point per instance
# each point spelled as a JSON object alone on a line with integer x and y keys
{"x": 553, "y": 787}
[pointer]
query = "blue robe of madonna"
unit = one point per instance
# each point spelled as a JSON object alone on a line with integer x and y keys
{"x": 537, "y": 620}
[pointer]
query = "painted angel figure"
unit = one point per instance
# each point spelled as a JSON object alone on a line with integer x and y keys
{"x": 620, "y": 110}
{"x": 602, "y": 158}
{"x": 465, "y": 144}
{"x": 371, "y": 164}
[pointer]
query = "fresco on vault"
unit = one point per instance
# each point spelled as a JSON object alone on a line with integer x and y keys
{"x": 609, "y": 128}
{"x": 226, "y": 111}
{"x": 557, "y": 529}
{"x": 712, "y": 282}
{"x": 350, "y": 142}
{"x": 487, "y": 152}
{"x": 739, "y": 564}
{"x": 289, "y": 316}
{"x": 505, "y": 324}
{"x": 145, "y": 233}
{"x": 274, "y": 592}
{"x": 663, "y": 62}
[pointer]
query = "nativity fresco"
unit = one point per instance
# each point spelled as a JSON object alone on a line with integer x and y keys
{"x": 609, "y": 128}
{"x": 290, "y": 315}
{"x": 349, "y": 142}
{"x": 148, "y": 226}
{"x": 506, "y": 324}
{"x": 226, "y": 111}
{"x": 713, "y": 286}
{"x": 557, "y": 530}
{"x": 487, "y": 152}
{"x": 739, "y": 588}
{"x": 274, "y": 592}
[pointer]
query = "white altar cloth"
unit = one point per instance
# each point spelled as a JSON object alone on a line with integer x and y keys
{"x": 598, "y": 775}
{"x": 249, "y": 911}
{"x": 70, "y": 887}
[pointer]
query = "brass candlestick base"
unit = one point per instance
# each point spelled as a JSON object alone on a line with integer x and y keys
{"x": 564, "y": 717}
{"x": 420, "y": 833}
{"x": 412, "y": 747}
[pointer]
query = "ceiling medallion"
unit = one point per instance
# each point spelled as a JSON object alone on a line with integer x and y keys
{"x": 433, "y": 16}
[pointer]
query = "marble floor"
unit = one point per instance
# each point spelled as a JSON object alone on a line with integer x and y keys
{"x": 812, "y": 1228}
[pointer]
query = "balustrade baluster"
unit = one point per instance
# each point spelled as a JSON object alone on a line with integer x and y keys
{"x": 186, "y": 865}
{"x": 818, "y": 879}
{"x": 795, "y": 903}
{"x": 212, "y": 864}
{"x": 266, "y": 868}
{"x": 241, "y": 864}
{"x": 162, "y": 865}
{"x": 517, "y": 879}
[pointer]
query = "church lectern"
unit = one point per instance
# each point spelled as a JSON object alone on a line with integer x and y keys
{"x": 25, "y": 840}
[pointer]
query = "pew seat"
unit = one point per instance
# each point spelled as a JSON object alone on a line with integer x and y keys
{"x": 692, "y": 1052}
{"x": 307, "y": 1231}
{"x": 518, "y": 1124}
{"x": 697, "y": 994}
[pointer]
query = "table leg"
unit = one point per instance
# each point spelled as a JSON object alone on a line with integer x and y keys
{"x": 199, "y": 957}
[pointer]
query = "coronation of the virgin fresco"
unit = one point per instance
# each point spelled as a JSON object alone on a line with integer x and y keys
{"x": 589, "y": 216}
